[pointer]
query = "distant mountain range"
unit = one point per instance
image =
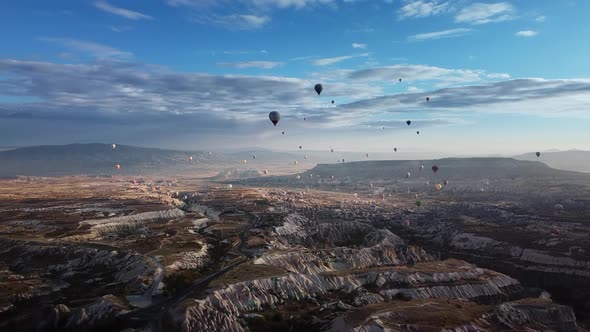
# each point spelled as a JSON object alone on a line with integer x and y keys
{"x": 100, "y": 159}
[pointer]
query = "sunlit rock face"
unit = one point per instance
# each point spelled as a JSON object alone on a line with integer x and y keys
{"x": 359, "y": 288}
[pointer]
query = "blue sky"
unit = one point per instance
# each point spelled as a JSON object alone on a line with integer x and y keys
{"x": 503, "y": 76}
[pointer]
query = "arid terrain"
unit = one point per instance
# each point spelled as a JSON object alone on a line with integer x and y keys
{"x": 121, "y": 253}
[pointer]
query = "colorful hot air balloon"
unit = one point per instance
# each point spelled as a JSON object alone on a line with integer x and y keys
{"x": 435, "y": 168}
{"x": 244, "y": 161}
{"x": 265, "y": 172}
{"x": 438, "y": 186}
{"x": 117, "y": 167}
{"x": 418, "y": 203}
{"x": 445, "y": 182}
{"x": 408, "y": 122}
{"x": 190, "y": 158}
{"x": 538, "y": 154}
{"x": 318, "y": 88}
{"x": 114, "y": 146}
{"x": 274, "y": 117}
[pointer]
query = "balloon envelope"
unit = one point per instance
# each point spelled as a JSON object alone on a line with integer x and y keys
{"x": 274, "y": 117}
{"x": 409, "y": 122}
{"x": 438, "y": 186}
{"x": 435, "y": 168}
{"x": 318, "y": 88}
{"x": 538, "y": 154}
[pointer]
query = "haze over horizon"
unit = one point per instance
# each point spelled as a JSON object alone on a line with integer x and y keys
{"x": 503, "y": 77}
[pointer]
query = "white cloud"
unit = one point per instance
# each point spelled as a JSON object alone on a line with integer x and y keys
{"x": 526, "y": 33}
{"x": 422, "y": 8}
{"x": 330, "y": 61}
{"x": 251, "y": 64}
{"x": 130, "y": 14}
{"x": 441, "y": 34}
{"x": 540, "y": 18}
{"x": 413, "y": 89}
{"x": 482, "y": 13}
{"x": 90, "y": 48}
{"x": 414, "y": 73}
{"x": 359, "y": 45}
{"x": 234, "y": 21}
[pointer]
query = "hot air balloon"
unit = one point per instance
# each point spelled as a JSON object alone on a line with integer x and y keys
{"x": 310, "y": 176}
{"x": 355, "y": 195}
{"x": 304, "y": 119}
{"x": 418, "y": 203}
{"x": 332, "y": 102}
{"x": 229, "y": 186}
{"x": 418, "y": 132}
{"x": 395, "y": 149}
{"x": 117, "y": 167}
{"x": 538, "y": 154}
{"x": 305, "y": 156}
{"x": 114, "y": 146}
{"x": 342, "y": 160}
{"x": 409, "y": 122}
{"x": 383, "y": 128}
{"x": 427, "y": 183}
{"x": 438, "y": 186}
{"x": 133, "y": 182}
{"x": 253, "y": 156}
{"x": 296, "y": 162}
{"x": 445, "y": 182}
{"x": 283, "y": 133}
{"x": 367, "y": 155}
{"x": 435, "y": 168}
{"x": 318, "y": 88}
{"x": 210, "y": 153}
{"x": 421, "y": 167}
{"x": 265, "y": 172}
{"x": 300, "y": 147}
{"x": 427, "y": 98}
{"x": 400, "y": 79}
{"x": 274, "y": 117}
{"x": 406, "y": 223}
{"x": 190, "y": 158}
{"x": 332, "y": 150}
{"x": 408, "y": 175}
{"x": 298, "y": 177}
{"x": 244, "y": 161}
{"x": 332, "y": 177}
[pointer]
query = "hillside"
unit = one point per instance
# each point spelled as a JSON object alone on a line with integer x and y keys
{"x": 100, "y": 159}
{"x": 473, "y": 170}
{"x": 573, "y": 160}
